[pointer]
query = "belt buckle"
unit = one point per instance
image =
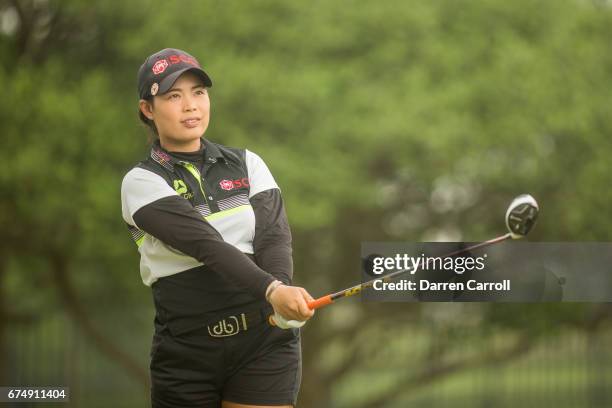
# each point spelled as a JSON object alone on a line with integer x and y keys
{"x": 228, "y": 326}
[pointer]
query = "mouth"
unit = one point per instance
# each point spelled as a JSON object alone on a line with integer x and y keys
{"x": 191, "y": 122}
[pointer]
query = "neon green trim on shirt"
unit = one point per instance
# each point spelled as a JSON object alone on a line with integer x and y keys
{"x": 223, "y": 214}
{"x": 196, "y": 173}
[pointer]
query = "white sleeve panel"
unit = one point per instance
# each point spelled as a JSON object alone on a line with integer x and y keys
{"x": 260, "y": 177}
{"x": 139, "y": 188}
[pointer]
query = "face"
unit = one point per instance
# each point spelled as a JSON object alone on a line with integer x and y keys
{"x": 181, "y": 115}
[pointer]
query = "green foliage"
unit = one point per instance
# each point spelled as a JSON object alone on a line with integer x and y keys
{"x": 394, "y": 120}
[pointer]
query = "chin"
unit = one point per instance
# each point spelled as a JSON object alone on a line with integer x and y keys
{"x": 192, "y": 134}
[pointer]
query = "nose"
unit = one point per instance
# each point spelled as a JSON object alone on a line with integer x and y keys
{"x": 189, "y": 103}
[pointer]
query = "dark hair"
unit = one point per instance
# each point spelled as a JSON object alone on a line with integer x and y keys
{"x": 150, "y": 124}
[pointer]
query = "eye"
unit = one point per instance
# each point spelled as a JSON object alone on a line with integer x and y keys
{"x": 201, "y": 91}
{"x": 173, "y": 96}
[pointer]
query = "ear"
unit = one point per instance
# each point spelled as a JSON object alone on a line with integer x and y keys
{"x": 146, "y": 108}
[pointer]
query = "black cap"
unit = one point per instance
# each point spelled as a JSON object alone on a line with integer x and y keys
{"x": 160, "y": 70}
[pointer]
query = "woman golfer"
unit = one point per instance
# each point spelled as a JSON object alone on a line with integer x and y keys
{"x": 215, "y": 248}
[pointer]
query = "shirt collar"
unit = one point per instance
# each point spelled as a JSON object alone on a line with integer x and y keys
{"x": 211, "y": 152}
{"x": 162, "y": 156}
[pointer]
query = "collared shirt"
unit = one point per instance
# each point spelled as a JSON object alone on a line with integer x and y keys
{"x": 220, "y": 192}
{"x": 197, "y": 217}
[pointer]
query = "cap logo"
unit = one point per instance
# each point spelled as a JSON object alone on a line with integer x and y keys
{"x": 175, "y": 59}
{"x": 154, "y": 88}
{"x": 160, "y": 66}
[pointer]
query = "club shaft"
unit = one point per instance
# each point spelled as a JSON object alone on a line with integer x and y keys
{"x": 329, "y": 299}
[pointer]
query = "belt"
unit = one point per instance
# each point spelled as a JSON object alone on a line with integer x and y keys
{"x": 238, "y": 322}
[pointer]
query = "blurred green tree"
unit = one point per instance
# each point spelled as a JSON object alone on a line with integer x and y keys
{"x": 381, "y": 121}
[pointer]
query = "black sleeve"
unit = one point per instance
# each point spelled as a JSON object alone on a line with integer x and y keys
{"x": 272, "y": 242}
{"x": 176, "y": 223}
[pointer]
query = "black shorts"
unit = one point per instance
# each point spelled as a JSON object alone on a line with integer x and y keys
{"x": 259, "y": 366}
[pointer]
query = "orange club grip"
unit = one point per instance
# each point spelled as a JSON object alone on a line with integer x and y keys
{"x": 315, "y": 304}
{"x": 320, "y": 302}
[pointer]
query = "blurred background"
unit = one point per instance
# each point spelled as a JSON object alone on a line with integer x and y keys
{"x": 381, "y": 121}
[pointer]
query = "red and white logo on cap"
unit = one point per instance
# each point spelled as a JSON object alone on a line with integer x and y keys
{"x": 160, "y": 66}
{"x": 226, "y": 184}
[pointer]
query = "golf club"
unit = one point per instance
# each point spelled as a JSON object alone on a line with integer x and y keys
{"x": 520, "y": 219}
{"x": 521, "y": 216}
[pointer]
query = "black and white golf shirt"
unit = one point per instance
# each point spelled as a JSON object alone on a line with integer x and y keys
{"x": 210, "y": 228}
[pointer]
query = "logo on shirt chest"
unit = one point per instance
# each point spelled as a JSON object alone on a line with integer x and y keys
{"x": 181, "y": 188}
{"x": 232, "y": 184}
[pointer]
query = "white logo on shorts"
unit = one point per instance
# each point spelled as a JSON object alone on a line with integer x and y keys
{"x": 228, "y": 326}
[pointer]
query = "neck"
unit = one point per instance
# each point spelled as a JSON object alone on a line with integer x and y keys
{"x": 171, "y": 146}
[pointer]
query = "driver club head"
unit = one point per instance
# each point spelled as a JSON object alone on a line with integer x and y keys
{"x": 521, "y": 215}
